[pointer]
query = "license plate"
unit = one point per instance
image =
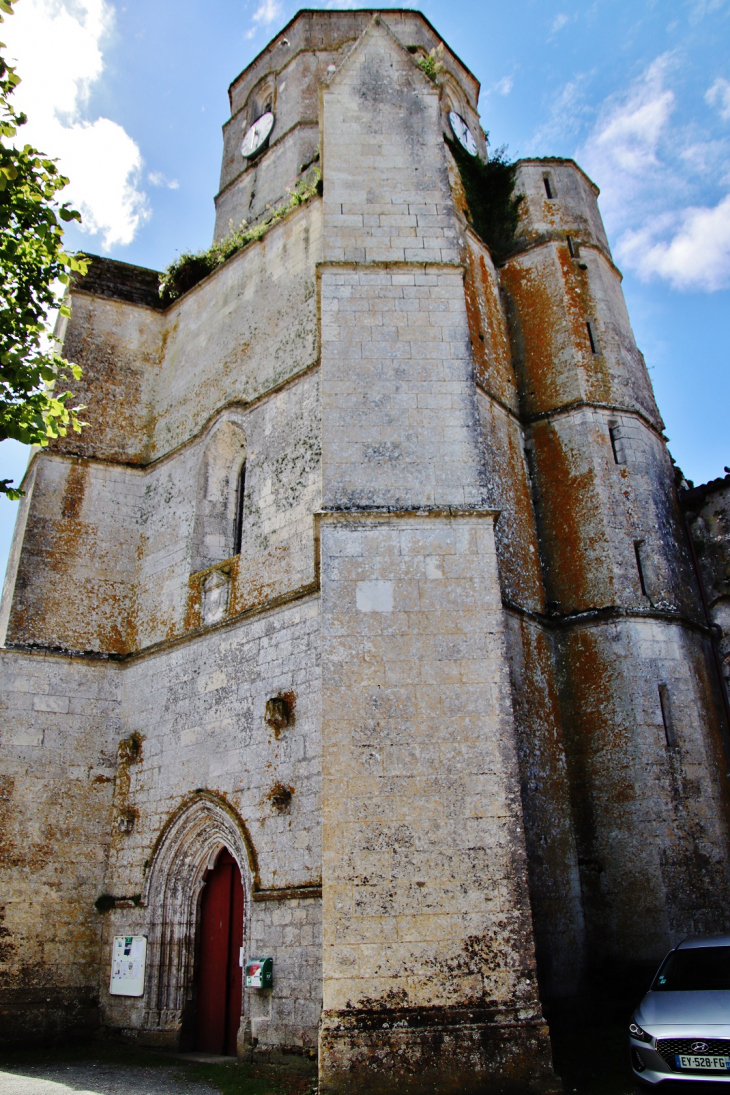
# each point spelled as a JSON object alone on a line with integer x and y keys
{"x": 710, "y": 1064}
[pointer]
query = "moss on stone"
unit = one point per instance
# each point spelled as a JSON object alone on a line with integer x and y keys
{"x": 489, "y": 190}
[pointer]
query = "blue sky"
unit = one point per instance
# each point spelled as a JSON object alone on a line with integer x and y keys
{"x": 132, "y": 94}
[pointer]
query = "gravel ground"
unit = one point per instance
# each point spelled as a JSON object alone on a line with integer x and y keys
{"x": 94, "y": 1078}
{"x": 109, "y": 1068}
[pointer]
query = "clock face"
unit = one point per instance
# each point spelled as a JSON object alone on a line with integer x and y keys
{"x": 257, "y": 134}
{"x": 462, "y": 133}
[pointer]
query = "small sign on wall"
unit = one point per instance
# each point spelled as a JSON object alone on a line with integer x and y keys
{"x": 129, "y": 954}
{"x": 259, "y": 973}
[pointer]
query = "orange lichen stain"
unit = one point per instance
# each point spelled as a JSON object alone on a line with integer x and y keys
{"x": 78, "y": 609}
{"x": 600, "y": 752}
{"x": 129, "y": 752}
{"x": 547, "y": 353}
{"x": 551, "y": 213}
{"x": 280, "y": 797}
{"x": 578, "y": 576}
{"x": 73, "y": 494}
{"x": 268, "y": 576}
{"x": 115, "y": 360}
{"x": 515, "y": 533}
{"x": 194, "y": 603}
{"x": 21, "y": 853}
{"x": 596, "y": 379}
{"x": 487, "y": 327}
{"x": 281, "y": 716}
{"x": 526, "y": 579}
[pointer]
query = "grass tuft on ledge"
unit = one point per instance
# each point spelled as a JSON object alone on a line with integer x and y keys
{"x": 191, "y": 267}
{"x": 432, "y": 63}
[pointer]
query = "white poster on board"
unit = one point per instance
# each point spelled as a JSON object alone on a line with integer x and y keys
{"x": 129, "y": 953}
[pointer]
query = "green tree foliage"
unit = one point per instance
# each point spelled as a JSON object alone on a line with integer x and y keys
{"x": 493, "y": 207}
{"x": 33, "y": 270}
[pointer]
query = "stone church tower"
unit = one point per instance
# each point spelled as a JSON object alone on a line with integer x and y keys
{"x": 362, "y": 613}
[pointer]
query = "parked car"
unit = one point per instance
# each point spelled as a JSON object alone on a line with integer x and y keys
{"x": 681, "y": 1029}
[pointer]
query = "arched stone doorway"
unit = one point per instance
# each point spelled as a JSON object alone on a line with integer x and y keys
{"x": 184, "y": 858}
{"x": 219, "y": 972}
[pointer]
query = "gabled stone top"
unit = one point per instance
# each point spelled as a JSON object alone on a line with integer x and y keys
{"x": 314, "y": 29}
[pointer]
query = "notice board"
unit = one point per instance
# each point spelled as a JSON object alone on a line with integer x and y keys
{"x": 129, "y": 954}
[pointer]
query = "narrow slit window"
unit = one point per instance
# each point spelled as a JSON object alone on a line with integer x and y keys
{"x": 592, "y": 338}
{"x": 548, "y": 187}
{"x": 571, "y": 248}
{"x": 240, "y": 497}
{"x": 530, "y": 461}
{"x": 638, "y": 550}
{"x": 666, "y": 706}
{"x": 619, "y": 454}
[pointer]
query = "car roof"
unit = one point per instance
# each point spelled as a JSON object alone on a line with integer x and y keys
{"x": 704, "y": 941}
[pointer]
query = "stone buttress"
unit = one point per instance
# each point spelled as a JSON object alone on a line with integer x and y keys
{"x": 428, "y": 969}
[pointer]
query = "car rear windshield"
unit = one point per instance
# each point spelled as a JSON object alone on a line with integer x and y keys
{"x": 696, "y": 969}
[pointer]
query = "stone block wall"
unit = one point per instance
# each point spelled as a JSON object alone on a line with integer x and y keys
{"x": 59, "y": 726}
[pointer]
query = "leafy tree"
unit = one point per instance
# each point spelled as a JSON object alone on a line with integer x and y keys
{"x": 34, "y": 268}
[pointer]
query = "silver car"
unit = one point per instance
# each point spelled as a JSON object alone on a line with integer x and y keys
{"x": 681, "y": 1029}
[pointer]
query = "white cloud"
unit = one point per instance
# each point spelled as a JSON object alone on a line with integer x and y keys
{"x": 58, "y": 48}
{"x": 267, "y": 13}
{"x": 700, "y": 8}
{"x": 651, "y": 173}
{"x": 568, "y": 112}
{"x": 626, "y": 137}
{"x": 690, "y": 248}
{"x": 156, "y": 178}
{"x": 719, "y": 96}
{"x": 504, "y": 86}
{"x": 621, "y": 152}
{"x": 560, "y": 20}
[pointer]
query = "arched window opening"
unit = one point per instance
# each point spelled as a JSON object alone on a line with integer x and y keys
{"x": 240, "y": 500}
{"x": 220, "y": 496}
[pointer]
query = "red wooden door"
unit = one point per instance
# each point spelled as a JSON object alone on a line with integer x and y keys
{"x": 218, "y": 1010}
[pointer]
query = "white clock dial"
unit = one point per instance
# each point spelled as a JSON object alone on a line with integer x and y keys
{"x": 462, "y": 133}
{"x": 257, "y": 134}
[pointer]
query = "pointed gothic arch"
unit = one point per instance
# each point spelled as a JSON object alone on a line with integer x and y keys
{"x": 187, "y": 846}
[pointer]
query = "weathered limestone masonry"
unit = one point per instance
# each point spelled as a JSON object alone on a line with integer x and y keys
{"x": 428, "y": 959}
{"x": 634, "y": 679}
{"x": 370, "y": 569}
{"x": 707, "y": 508}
